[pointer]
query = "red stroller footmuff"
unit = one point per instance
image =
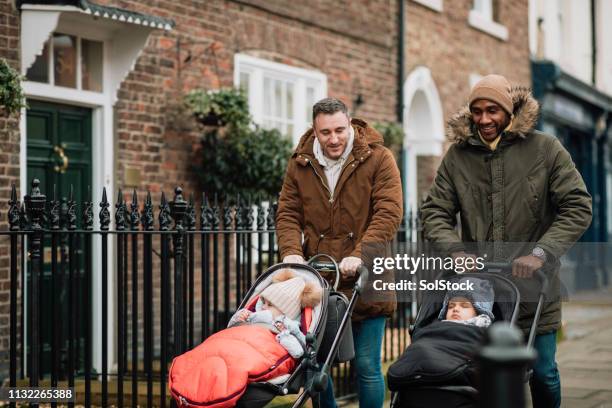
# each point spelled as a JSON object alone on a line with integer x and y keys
{"x": 217, "y": 372}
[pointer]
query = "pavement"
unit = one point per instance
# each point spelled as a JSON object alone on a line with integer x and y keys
{"x": 584, "y": 356}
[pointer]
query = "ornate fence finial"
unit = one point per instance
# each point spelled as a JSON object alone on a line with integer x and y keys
{"x": 271, "y": 218}
{"x": 164, "y": 214}
{"x": 261, "y": 216}
{"x": 54, "y": 211}
{"x": 239, "y": 215}
{"x": 13, "y": 212}
{"x": 206, "y": 214}
{"x": 178, "y": 208}
{"x": 191, "y": 214}
{"x": 24, "y": 222}
{"x": 134, "y": 214}
{"x": 88, "y": 217}
{"x": 248, "y": 214}
{"x": 120, "y": 209}
{"x": 71, "y": 214}
{"x": 104, "y": 213}
{"x": 227, "y": 214}
{"x": 147, "y": 214}
{"x": 215, "y": 214}
{"x": 35, "y": 205}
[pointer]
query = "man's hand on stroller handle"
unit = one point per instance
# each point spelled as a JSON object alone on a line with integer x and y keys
{"x": 348, "y": 266}
{"x": 299, "y": 259}
{"x": 525, "y": 266}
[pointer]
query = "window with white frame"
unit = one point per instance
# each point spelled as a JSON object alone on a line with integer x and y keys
{"x": 280, "y": 96}
{"x": 69, "y": 61}
{"x": 484, "y": 17}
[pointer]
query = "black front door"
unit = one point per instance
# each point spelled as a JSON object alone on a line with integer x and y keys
{"x": 59, "y": 155}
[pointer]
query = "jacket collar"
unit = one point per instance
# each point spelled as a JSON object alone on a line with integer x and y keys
{"x": 460, "y": 128}
{"x": 365, "y": 138}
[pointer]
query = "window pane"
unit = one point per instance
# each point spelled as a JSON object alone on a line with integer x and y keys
{"x": 278, "y": 98}
{"x": 91, "y": 65}
{"x": 267, "y": 102}
{"x": 310, "y": 95}
{"x": 39, "y": 71}
{"x": 289, "y": 100}
{"x": 64, "y": 55}
{"x": 244, "y": 82}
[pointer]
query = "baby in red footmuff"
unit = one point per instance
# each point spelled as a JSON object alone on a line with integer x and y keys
{"x": 278, "y": 309}
{"x": 258, "y": 345}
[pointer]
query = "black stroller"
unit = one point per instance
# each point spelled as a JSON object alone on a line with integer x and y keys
{"x": 455, "y": 388}
{"x": 328, "y": 339}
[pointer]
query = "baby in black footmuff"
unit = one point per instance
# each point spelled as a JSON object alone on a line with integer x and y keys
{"x": 442, "y": 352}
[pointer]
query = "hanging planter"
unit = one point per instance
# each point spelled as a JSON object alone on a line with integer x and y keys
{"x": 219, "y": 107}
{"x": 12, "y": 98}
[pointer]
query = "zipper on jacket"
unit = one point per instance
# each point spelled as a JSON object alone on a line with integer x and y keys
{"x": 331, "y": 195}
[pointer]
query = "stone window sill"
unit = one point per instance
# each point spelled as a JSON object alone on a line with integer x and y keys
{"x": 495, "y": 29}
{"x": 435, "y": 5}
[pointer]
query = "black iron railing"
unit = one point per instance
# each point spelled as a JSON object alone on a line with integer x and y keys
{"x": 105, "y": 308}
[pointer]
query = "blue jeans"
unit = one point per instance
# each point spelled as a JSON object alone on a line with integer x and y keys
{"x": 367, "y": 337}
{"x": 545, "y": 383}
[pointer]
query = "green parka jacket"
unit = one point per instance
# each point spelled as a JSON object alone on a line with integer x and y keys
{"x": 365, "y": 210}
{"x": 524, "y": 194}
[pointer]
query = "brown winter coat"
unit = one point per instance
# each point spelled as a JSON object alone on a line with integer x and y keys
{"x": 526, "y": 193}
{"x": 365, "y": 209}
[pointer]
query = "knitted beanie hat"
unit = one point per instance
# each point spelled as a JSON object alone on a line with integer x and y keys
{"x": 290, "y": 293}
{"x": 482, "y": 297}
{"x": 495, "y": 88}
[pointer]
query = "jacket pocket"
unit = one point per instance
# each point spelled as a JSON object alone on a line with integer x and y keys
{"x": 532, "y": 197}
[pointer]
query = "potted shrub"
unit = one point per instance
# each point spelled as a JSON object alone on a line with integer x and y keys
{"x": 219, "y": 107}
{"x": 12, "y": 98}
{"x": 393, "y": 133}
{"x": 236, "y": 156}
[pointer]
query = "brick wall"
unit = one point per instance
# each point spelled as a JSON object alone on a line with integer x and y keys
{"x": 9, "y": 168}
{"x": 343, "y": 41}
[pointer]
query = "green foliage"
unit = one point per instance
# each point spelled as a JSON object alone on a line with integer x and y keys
{"x": 219, "y": 107}
{"x": 12, "y": 98}
{"x": 240, "y": 157}
{"x": 393, "y": 134}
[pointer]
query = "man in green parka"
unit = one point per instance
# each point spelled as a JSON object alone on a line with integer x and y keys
{"x": 520, "y": 199}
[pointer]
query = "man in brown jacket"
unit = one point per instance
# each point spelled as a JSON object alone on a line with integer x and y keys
{"x": 342, "y": 192}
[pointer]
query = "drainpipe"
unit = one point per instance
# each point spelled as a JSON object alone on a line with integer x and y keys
{"x": 593, "y": 44}
{"x": 400, "y": 63}
{"x": 400, "y": 93}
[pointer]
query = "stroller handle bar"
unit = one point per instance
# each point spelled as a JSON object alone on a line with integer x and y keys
{"x": 332, "y": 266}
{"x": 541, "y": 276}
{"x": 507, "y": 267}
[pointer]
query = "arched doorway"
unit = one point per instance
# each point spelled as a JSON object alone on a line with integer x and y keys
{"x": 424, "y": 134}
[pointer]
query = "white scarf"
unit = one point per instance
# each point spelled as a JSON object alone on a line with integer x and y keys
{"x": 333, "y": 168}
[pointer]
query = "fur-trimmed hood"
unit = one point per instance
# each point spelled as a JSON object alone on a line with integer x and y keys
{"x": 526, "y": 110}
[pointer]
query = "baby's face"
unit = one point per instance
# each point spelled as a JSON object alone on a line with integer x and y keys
{"x": 268, "y": 306}
{"x": 460, "y": 308}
